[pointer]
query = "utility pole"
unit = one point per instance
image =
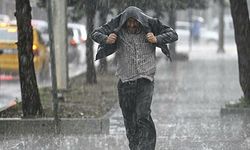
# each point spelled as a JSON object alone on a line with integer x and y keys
{"x": 53, "y": 65}
{"x": 60, "y": 38}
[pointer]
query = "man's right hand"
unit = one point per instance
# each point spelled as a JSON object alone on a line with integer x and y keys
{"x": 111, "y": 39}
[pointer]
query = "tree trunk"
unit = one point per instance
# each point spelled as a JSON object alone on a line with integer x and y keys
{"x": 31, "y": 103}
{"x": 172, "y": 24}
{"x": 90, "y": 14}
{"x": 241, "y": 22}
{"x": 103, "y": 67}
{"x": 221, "y": 27}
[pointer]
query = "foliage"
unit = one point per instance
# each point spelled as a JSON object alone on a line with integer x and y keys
{"x": 43, "y": 3}
{"x": 155, "y": 5}
{"x": 241, "y": 103}
{"x": 78, "y": 11}
{"x": 162, "y": 5}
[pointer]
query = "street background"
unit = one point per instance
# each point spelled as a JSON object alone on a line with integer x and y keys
{"x": 187, "y": 100}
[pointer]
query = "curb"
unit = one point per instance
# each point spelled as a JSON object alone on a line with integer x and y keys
{"x": 231, "y": 111}
{"x": 67, "y": 126}
{"x": 112, "y": 110}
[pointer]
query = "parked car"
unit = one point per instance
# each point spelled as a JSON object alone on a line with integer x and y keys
{"x": 9, "y": 56}
{"x": 4, "y": 18}
{"x": 76, "y": 35}
{"x": 228, "y": 28}
{"x": 73, "y": 40}
{"x": 42, "y": 27}
{"x": 80, "y": 35}
{"x": 183, "y": 30}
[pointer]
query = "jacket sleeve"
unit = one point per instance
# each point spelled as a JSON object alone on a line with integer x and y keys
{"x": 164, "y": 33}
{"x": 100, "y": 34}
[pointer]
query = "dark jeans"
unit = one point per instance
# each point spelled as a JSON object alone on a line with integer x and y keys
{"x": 135, "y": 99}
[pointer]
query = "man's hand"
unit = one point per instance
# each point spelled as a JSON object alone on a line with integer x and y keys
{"x": 151, "y": 38}
{"x": 111, "y": 38}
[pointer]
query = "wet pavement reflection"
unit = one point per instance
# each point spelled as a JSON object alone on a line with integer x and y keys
{"x": 186, "y": 110}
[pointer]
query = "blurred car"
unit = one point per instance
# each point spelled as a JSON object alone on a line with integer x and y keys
{"x": 42, "y": 27}
{"x": 228, "y": 28}
{"x": 9, "y": 56}
{"x": 209, "y": 36}
{"x": 183, "y": 30}
{"x": 80, "y": 35}
{"x": 73, "y": 52}
{"x": 76, "y": 35}
{"x": 4, "y": 18}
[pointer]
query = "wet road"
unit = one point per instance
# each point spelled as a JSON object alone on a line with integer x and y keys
{"x": 186, "y": 111}
{"x": 10, "y": 90}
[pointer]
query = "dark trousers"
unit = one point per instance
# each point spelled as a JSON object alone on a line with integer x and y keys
{"x": 135, "y": 99}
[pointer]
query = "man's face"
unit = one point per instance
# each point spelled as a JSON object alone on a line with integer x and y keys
{"x": 132, "y": 25}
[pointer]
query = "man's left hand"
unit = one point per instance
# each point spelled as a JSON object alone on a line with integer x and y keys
{"x": 151, "y": 38}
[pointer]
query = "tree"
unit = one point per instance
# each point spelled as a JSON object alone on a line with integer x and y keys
{"x": 172, "y": 23}
{"x": 43, "y": 3}
{"x": 87, "y": 8}
{"x": 241, "y": 23}
{"x": 171, "y": 7}
{"x": 221, "y": 26}
{"x": 31, "y": 103}
{"x": 103, "y": 68}
{"x": 90, "y": 14}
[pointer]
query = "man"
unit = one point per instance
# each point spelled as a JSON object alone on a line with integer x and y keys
{"x": 134, "y": 36}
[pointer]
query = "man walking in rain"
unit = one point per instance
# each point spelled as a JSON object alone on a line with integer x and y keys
{"x": 134, "y": 36}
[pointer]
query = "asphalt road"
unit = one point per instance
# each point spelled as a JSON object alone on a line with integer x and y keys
{"x": 186, "y": 110}
{"x": 10, "y": 90}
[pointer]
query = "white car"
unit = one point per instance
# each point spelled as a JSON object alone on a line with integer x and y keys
{"x": 228, "y": 28}
{"x": 4, "y": 18}
{"x": 80, "y": 33}
{"x": 183, "y": 30}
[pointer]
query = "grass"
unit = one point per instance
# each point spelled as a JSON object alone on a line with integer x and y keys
{"x": 81, "y": 100}
{"x": 241, "y": 103}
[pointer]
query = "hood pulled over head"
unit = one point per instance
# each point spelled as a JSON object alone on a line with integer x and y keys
{"x": 135, "y": 13}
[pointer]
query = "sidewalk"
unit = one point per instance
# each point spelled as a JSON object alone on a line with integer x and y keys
{"x": 186, "y": 111}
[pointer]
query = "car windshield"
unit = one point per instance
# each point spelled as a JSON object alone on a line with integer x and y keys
{"x": 42, "y": 29}
{"x": 8, "y": 35}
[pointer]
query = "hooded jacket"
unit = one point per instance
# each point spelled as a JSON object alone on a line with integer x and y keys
{"x": 164, "y": 34}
